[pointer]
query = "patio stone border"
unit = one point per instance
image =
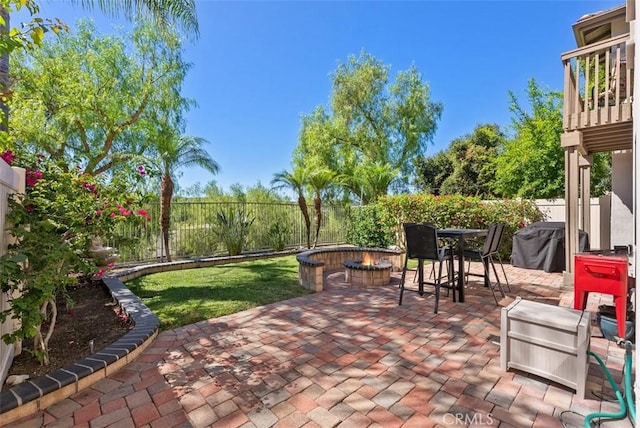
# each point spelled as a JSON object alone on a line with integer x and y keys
{"x": 313, "y": 263}
{"x": 39, "y": 393}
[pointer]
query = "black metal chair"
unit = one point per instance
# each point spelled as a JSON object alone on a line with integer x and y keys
{"x": 422, "y": 244}
{"x": 490, "y": 248}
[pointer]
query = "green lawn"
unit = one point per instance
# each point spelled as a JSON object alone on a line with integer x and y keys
{"x": 187, "y": 296}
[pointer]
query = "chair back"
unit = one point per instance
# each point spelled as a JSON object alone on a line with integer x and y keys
{"x": 495, "y": 246}
{"x": 494, "y": 236}
{"x": 421, "y": 241}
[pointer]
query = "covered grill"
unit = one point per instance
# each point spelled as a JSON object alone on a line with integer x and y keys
{"x": 541, "y": 246}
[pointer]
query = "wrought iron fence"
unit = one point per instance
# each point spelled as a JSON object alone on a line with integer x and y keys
{"x": 195, "y": 229}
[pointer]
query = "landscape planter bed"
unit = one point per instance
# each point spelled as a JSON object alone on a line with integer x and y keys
{"x": 37, "y": 394}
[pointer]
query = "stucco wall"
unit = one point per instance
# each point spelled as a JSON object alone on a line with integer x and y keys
{"x": 621, "y": 198}
{"x": 12, "y": 180}
{"x": 599, "y": 239}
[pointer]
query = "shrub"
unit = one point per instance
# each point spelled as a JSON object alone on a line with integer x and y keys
{"x": 193, "y": 240}
{"x": 232, "y": 228}
{"x": 279, "y": 233}
{"x": 52, "y": 225}
{"x": 367, "y": 228}
{"x": 383, "y": 219}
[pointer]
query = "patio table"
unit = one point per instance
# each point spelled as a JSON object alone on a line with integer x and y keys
{"x": 460, "y": 235}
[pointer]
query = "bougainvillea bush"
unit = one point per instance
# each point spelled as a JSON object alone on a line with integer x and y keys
{"x": 52, "y": 225}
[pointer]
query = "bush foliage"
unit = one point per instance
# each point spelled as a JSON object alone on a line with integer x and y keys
{"x": 367, "y": 229}
{"x": 380, "y": 223}
{"x": 52, "y": 226}
{"x": 232, "y": 228}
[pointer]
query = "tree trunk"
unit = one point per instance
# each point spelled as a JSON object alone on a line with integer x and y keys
{"x": 40, "y": 341}
{"x": 166, "y": 194}
{"x": 317, "y": 205}
{"x": 302, "y": 203}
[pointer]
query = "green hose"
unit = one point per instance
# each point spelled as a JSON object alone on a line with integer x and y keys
{"x": 623, "y": 408}
{"x": 628, "y": 359}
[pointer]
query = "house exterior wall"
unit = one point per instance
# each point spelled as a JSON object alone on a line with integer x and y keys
{"x": 634, "y": 5}
{"x": 12, "y": 180}
{"x": 621, "y": 198}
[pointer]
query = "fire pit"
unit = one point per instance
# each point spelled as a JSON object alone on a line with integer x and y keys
{"x": 314, "y": 264}
{"x": 367, "y": 271}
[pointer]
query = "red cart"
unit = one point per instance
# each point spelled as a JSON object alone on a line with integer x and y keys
{"x": 606, "y": 273}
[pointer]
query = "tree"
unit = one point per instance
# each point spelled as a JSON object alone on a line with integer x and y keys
{"x": 262, "y": 194}
{"x": 370, "y": 120}
{"x": 319, "y": 180}
{"x": 93, "y": 101}
{"x": 432, "y": 171}
{"x": 296, "y": 180}
{"x": 29, "y": 36}
{"x": 370, "y": 181}
{"x": 531, "y": 164}
{"x": 472, "y": 157}
{"x": 466, "y": 167}
{"x": 175, "y": 152}
{"x": 164, "y": 13}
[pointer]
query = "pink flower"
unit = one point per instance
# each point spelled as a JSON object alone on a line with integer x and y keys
{"x": 123, "y": 211}
{"x": 33, "y": 175}
{"x": 111, "y": 265}
{"x": 112, "y": 215}
{"x": 8, "y": 156}
{"x": 29, "y": 208}
{"x": 90, "y": 187}
{"x": 99, "y": 211}
{"x": 144, "y": 214}
{"x": 100, "y": 273}
{"x": 141, "y": 170}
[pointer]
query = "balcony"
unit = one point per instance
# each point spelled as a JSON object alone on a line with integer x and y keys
{"x": 598, "y": 94}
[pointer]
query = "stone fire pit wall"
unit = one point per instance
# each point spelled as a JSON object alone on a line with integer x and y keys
{"x": 313, "y": 263}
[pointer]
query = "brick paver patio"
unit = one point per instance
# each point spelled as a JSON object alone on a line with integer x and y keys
{"x": 348, "y": 357}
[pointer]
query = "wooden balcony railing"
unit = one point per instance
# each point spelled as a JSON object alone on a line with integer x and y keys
{"x": 597, "y": 84}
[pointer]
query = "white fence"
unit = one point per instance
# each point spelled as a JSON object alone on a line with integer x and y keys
{"x": 600, "y": 231}
{"x": 12, "y": 180}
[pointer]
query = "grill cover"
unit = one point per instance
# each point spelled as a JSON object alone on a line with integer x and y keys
{"x": 541, "y": 246}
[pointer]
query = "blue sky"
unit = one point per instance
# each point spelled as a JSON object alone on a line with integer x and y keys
{"x": 258, "y": 66}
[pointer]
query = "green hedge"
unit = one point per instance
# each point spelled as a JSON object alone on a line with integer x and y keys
{"x": 366, "y": 228}
{"x": 380, "y": 223}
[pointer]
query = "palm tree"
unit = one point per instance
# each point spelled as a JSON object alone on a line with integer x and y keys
{"x": 296, "y": 180}
{"x": 372, "y": 180}
{"x": 319, "y": 181}
{"x": 175, "y": 152}
{"x": 163, "y": 12}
